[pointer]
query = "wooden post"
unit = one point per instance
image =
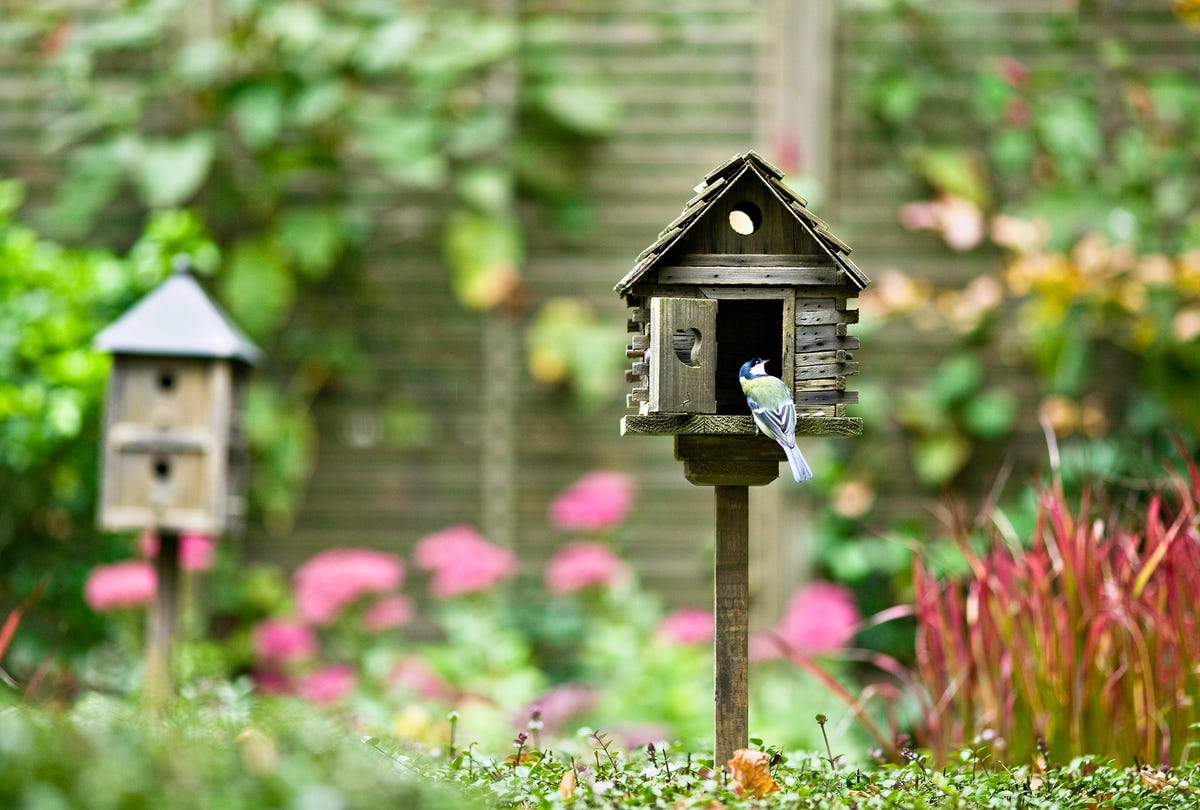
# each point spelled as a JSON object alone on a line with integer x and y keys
{"x": 158, "y": 689}
{"x": 732, "y": 620}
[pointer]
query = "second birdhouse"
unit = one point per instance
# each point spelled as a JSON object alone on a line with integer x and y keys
{"x": 746, "y": 271}
{"x": 174, "y": 456}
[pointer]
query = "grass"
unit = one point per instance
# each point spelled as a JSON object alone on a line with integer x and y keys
{"x": 232, "y": 750}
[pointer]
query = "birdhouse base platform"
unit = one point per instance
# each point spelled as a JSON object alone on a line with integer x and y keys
{"x": 669, "y": 424}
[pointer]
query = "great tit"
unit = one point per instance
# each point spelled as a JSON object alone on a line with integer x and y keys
{"x": 774, "y": 412}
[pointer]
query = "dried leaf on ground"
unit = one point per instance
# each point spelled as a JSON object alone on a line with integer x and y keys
{"x": 751, "y": 773}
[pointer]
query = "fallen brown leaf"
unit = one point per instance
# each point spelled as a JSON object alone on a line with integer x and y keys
{"x": 751, "y": 773}
{"x": 567, "y": 785}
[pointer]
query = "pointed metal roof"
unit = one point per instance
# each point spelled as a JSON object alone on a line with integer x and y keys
{"x": 714, "y": 185}
{"x": 178, "y": 319}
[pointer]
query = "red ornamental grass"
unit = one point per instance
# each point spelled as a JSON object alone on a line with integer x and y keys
{"x": 1088, "y": 640}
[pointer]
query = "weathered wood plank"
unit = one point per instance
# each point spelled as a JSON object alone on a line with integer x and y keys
{"x": 755, "y": 260}
{"x": 834, "y": 343}
{"x": 826, "y": 398}
{"x": 822, "y": 384}
{"x": 718, "y": 424}
{"x": 821, "y": 358}
{"x": 724, "y": 472}
{"x": 731, "y": 602}
{"x": 680, "y": 274}
{"x": 815, "y": 317}
{"x": 741, "y": 447}
{"x": 683, "y": 355}
{"x": 825, "y": 370}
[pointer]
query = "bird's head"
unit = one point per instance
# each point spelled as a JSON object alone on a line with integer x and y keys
{"x": 753, "y": 368}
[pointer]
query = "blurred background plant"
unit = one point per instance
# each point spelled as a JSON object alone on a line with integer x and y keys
{"x": 587, "y": 648}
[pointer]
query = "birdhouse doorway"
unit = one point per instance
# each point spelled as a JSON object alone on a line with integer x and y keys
{"x": 748, "y": 328}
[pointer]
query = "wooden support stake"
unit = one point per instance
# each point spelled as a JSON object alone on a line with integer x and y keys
{"x": 160, "y": 634}
{"x": 732, "y": 620}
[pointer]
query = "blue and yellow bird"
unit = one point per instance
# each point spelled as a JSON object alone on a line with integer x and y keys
{"x": 774, "y": 412}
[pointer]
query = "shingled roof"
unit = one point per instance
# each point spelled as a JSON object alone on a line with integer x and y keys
{"x": 714, "y": 186}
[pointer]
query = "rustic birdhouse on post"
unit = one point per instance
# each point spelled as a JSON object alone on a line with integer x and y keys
{"x": 174, "y": 457}
{"x": 746, "y": 271}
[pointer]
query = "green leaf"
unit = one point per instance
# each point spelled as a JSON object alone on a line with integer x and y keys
{"x": 93, "y": 177}
{"x": 955, "y": 171}
{"x": 1070, "y": 132}
{"x": 257, "y": 287}
{"x": 937, "y": 459}
{"x": 991, "y": 414}
{"x": 486, "y": 188}
{"x": 955, "y": 380}
{"x": 169, "y": 172}
{"x": 312, "y": 239}
{"x": 402, "y": 144}
{"x": 391, "y": 45}
{"x": 484, "y": 253}
{"x": 1012, "y": 150}
{"x": 258, "y": 112}
{"x": 580, "y": 106}
{"x": 898, "y": 97}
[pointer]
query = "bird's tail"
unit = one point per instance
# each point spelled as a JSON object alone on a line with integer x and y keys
{"x": 800, "y": 469}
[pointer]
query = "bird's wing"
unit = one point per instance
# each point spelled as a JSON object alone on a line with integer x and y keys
{"x": 780, "y": 421}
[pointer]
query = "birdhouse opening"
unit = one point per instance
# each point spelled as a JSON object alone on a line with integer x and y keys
{"x": 746, "y": 328}
{"x": 745, "y": 218}
{"x": 686, "y": 345}
{"x": 166, "y": 379}
{"x": 162, "y": 469}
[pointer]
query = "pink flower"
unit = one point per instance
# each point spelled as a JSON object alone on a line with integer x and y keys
{"x": 959, "y": 220}
{"x": 763, "y": 647}
{"x": 597, "y": 501}
{"x": 576, "y": 566}
{"x": 388, "y": 613}
{"x": 131, "y": 583}
{"x": 446, "y": 547}
{"x": 820, "y": 618}
{"x": 560, "y": 704}
{"x": 413, "y": 674}
{"x": 335, "y": 578}
{"x": 687, "y": 626}
{"x": 283, "y": 640}
{"x": 273, "y": 682}
{"x": 462, "y": 562}
{"x": 196, "y": 550}
{"x": 1013, "y": 72}
{"x": 327, "y": 684}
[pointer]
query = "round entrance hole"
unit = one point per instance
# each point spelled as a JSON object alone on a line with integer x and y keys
{"x": 745, "y": 218}
{"x": 686, "y": 344}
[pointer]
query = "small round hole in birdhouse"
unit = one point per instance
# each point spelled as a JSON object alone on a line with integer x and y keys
{"x": 745, "y": 218}
{"x": 162, "y": 469}
{"x": 166, "y": 379}
{"x": 686, "y": 344}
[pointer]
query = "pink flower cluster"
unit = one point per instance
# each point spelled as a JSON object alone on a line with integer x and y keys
{"x": 131, "y": 583}
{"x": 598, "y": 501}
{"x": 333, "y": 579}
{"x": 820, "y": 618}
{"x": 580, "y": 565}
{"x": 687, "y": 626}
{"x": 957, "y": 219}
{"x": 560, "y": 704}
{"x": 196, "y": 551}
{"x": 461, "y": 561}
{"x": 283, "y": 641}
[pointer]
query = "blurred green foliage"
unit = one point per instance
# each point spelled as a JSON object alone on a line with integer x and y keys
{"x": 283, "y": 125}
{"x": 1074, "y": 163}
{"x": 217, "y": 748}
{"x": 53, "y": 300}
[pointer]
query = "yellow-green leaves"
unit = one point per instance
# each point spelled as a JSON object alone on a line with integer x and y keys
{"x": 484, "y": 252}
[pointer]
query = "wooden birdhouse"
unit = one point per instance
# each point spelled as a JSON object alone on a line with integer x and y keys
{"x": 745, "y": 271}
{"x": 174, "y": 458}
